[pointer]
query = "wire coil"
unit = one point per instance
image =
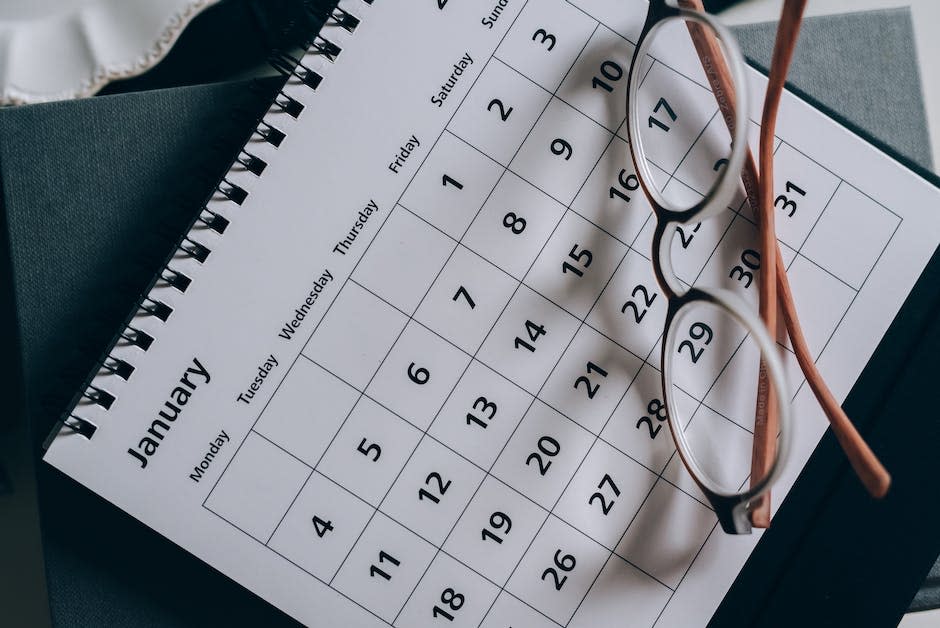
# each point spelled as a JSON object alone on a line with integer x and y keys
{"x": 233, "y": 189}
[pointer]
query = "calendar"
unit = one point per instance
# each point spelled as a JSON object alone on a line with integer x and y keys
{"x": 416, "y": 381}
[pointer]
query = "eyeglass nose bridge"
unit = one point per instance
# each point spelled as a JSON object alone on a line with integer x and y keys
{"x": 664, "y": 232}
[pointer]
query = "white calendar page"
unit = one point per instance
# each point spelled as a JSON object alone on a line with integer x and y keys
{"x": 396, "y": 406}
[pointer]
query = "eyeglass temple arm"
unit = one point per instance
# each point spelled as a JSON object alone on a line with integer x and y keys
{"x": 864, "y": 462}
{"x": 765, "y": 432}
{"x": 869, "y": 469}
{"x": 766, "y": 420}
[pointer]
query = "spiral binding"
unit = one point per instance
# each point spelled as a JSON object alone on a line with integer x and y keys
{"x": 189, "y": 251}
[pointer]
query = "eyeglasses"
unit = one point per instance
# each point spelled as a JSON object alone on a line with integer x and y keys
{"x": 694, "y": 313}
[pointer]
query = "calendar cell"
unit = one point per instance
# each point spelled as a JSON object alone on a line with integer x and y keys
{"x": 802, "y": 189}
{"x": 735, "y": 393}
{"x": 451, "y": 185}
{"x": 513, "y": 225}
{"x": 500, "y": 111}
{"x": 622, "y": 595}
{"x": 597, "y": 84}
{"x": 509, "y": 611}
{"x": 821, "y": 301}
{"x": 306, "y": 411}
{"x": 257, "y": 487}
{"x": 545, "y": 41}
{"x": 355, "y": 335}
{"x": 480, "y": 414}
{"x": 575, "y": 265}
{"x": 705, "y": 338}
{"x": 631, "y": 310}
{"x": 722, "y": 448}
{"x": 542, "y": 455}
{"x": 708, "y": 157}
{"x": 673, "y": 47}
{"x": 558, "y": 570}
{"x": 736, "y": 263}
{"x": 417, "y": 375}
{"x": 612, "y": 198}
{"x": 850, "y": 258}
{"x": 639, "y": 426}
{"x": 528, "y": 339}
{"x": 693, "y": 244}
{"x": 495, "y": 530}
{"x": 675, "y": 111}
{"x": 384, "y": 567}
{"x": 432, "y": 491}
{"x": 449, "y": 594}
{"x": 590, "y": 379}
{"x": 321, "y": 527}
{"x": 701, "y": 166}
{"x": 369, "y": 451}
{"x": 465, "y": 299}
{"x": 666, "y": 534}
{"x": 560, "y": 152}
{"x": 605, "y": 494}
{"x": 403, "y": 260}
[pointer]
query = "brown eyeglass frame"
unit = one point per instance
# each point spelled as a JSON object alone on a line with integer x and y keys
{"x": 774, "y": 286}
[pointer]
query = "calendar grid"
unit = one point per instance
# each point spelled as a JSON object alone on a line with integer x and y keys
{"x": 835, "y": 175}
{"x": 595, "y": 435}
{"x": 496, "y": 372}
{"x": 483, "y": 469}
{"x": 398, "y": 337}
{"x": 645, "y": 362}
{"x": 503, "y": 376}
{"x": 554, "y": 94}
{"x": 601, "y": 333}
{"x": 660, "y": 475}
{"x": 672, "y": 175}
{"x": 298, "y": 566}
{"x": 845, "y": 313}
{"x": 424, "y": 435}
{"x": 701, "y": 403}
{"x": 630, "y": 245}
{"x": 415, "y": 532}
{"x": 502, "y": 588}
{"x": 800, "y": 387}
{"x": 582, "y": 323}
{"x": 314, "y": 330}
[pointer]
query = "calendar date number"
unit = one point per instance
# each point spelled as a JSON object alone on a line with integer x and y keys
{"x": 534, "y": 332}
{"x": 452, "y": 602}
{"x": 656, "y": 410}
{"x": 562, "y": 563}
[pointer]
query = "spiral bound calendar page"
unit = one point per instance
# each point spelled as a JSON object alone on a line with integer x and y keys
{"x": 416, "y": 382}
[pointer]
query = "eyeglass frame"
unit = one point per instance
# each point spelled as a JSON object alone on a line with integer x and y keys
{"x": 731, "y": 508}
